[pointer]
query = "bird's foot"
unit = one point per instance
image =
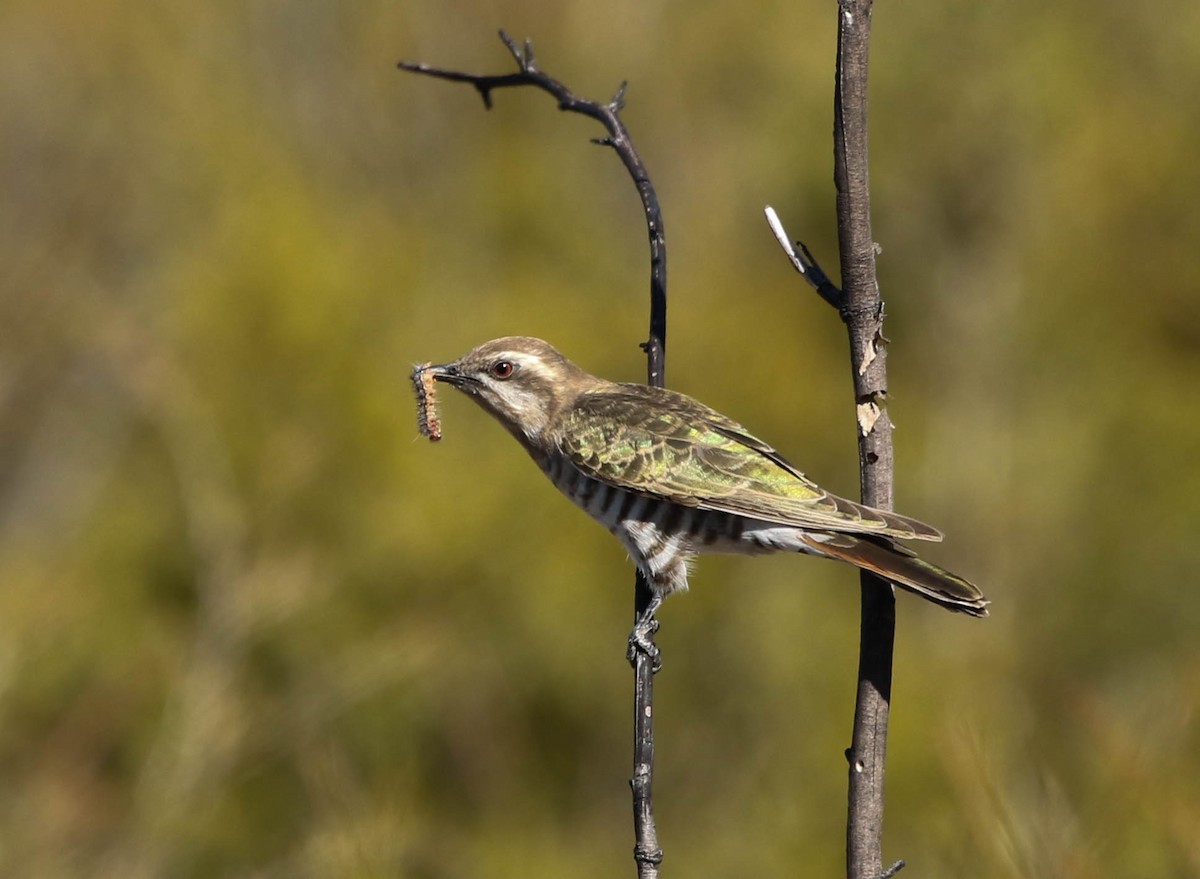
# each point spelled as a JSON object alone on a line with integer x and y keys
{"x": 641, "y": 640}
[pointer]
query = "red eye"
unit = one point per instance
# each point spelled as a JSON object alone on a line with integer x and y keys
{"x": 502, "y": 369}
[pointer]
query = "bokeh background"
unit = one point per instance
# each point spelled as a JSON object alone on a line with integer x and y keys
{"x": 252, "y": 626}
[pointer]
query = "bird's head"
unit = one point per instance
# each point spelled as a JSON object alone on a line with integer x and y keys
{"x": 523, "y": 382}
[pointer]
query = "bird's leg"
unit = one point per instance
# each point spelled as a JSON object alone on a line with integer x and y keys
{"x": 641, "y": 639}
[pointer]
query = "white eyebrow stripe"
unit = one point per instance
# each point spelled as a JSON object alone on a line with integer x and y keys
{"x": 530, "y": 361}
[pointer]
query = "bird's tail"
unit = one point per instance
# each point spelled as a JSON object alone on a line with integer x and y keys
{"x": 902, "y": 567}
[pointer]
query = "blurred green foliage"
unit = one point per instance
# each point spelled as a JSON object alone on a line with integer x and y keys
{"x": 251, "y": 626}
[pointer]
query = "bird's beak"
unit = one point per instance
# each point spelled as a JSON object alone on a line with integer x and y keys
{"x": 449, "y": 373}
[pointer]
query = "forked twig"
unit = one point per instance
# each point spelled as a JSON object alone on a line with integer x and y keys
{"x": 607, "y": 114}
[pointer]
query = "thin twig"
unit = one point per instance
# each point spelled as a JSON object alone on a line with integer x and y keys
{"x": 647, "y": 853}
{"x": 806, "y": 264}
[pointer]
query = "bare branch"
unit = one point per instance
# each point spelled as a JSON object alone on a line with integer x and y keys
{"x": 608, "y": 114}
{"x": 861, "y": 308}
{"x": 647, "y": 853}
{"x": 863, "y": 313}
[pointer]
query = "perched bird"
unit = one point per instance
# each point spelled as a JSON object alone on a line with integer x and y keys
{"x": 672, "y": 478}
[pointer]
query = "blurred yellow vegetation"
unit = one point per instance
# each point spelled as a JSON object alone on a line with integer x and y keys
{"x": 250, "y": 625}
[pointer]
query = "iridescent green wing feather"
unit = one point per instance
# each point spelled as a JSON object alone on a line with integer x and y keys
{"x": 667, "y": 445}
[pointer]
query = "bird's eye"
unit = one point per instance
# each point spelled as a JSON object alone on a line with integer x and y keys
{"x": 502, "y": 369}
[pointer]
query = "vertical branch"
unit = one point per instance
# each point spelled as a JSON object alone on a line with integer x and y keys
{"x": 863, "y": 313}
{"x": 646, "y": 852}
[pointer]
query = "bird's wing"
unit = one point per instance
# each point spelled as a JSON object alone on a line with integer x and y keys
{"x": 666, "y": 445}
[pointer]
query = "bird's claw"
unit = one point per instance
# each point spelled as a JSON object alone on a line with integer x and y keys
{"x": 641, "y": 640}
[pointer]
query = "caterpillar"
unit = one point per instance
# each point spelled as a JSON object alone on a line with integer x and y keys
{"x": 427, "y": 417}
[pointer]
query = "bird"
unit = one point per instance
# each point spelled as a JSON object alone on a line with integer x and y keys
{"x": 671, "y": 478}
